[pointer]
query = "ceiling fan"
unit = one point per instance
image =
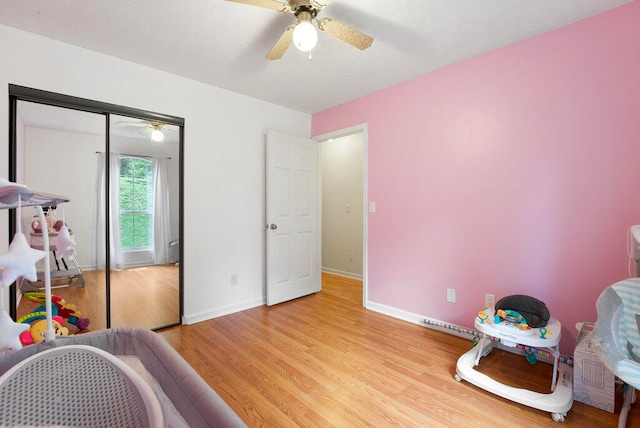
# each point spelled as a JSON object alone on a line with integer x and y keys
{"x": 153, "y": 129}
{"x": 303, "y": 34}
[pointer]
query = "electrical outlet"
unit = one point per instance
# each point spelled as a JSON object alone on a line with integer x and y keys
{"x": 489, "y": 300}
{"x": 451, "y": 295}
{"x": 234, "y": 279}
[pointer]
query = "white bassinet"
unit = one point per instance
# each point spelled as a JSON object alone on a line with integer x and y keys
{"x": 617, "y": 336}
{"x": 116, "y": 377}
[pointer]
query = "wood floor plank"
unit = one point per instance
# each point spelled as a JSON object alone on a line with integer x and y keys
{"x": 324, "y": 360}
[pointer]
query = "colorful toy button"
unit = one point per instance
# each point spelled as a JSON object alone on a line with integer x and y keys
{"x": 544, "y": 332}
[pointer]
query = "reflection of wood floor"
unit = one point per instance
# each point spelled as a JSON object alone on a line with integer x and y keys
{"x": 142, "y": 297}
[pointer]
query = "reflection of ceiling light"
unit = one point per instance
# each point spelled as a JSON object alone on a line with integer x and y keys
{"x": 156, "y": 135}
{"x": 305, "y": 35}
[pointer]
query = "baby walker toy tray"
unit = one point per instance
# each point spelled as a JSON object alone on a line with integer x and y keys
{"x": 558, "y": 402}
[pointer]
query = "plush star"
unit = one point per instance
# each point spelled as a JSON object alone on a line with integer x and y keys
{"x": 10, "y": 332}
{"x": 20, "y": 261}
{"x": 64, "y": 243}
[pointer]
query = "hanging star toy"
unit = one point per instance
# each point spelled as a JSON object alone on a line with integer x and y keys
{"x": 64, "y": 243}
{"x": 10, "y": 332}
{"x": 20, "y": 261}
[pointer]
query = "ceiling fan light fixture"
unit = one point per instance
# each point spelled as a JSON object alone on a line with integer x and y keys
{"x": 305, "y": 36}
{"x": 156, "y": 135}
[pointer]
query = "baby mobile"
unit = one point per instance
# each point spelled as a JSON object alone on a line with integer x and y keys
{"x": 65, "y": 245}
{"x": 18, "y": 262}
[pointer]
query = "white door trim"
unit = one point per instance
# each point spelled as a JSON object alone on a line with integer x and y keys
{"x": 365, "y": 194}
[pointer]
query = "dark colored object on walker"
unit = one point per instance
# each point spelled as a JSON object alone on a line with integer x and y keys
{"x": 532, "y": 309}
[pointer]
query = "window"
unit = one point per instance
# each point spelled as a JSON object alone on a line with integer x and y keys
{"x": 136, "y": 203}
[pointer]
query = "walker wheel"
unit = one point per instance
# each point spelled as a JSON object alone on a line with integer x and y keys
{"x": 458, "y": 378}
{"x": 558, "y": 417}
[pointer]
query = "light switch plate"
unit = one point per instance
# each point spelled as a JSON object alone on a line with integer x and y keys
{"x": 451, "y": 295}
{"x": 489, "y": 300}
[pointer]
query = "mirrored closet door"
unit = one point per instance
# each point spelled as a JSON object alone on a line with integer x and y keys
{"x": 54, "y": 152}
{"x": 145, "y": 188}
{"x": 125, "y": 211}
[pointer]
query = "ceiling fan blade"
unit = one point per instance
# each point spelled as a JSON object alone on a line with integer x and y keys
{"x": 282, "y": 44}
{"x": 345, "y": 33}
{"x": 267, "y": 4}
{"x": 319, "y": 4}
{"x": 122, "y": 123}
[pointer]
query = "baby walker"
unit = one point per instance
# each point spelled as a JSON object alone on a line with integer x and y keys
{"x": 512, "y": 329}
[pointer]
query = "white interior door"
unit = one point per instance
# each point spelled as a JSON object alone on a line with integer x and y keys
{"x": 293, "y": 227}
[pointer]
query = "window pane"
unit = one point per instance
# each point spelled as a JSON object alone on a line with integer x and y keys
{"x": 126, "y": 201}
{"x": 142, "y": 230}
{"x": 125, "y": 166}
{"x": 126, "y": 231}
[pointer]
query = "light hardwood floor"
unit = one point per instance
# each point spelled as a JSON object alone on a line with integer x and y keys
{"x": 323, "y": 360}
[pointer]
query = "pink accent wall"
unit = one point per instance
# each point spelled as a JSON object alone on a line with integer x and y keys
{"x": 515, "y": 172}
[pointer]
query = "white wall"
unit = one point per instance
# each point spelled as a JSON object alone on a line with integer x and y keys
{"x": 224, "y": 157}
{"x": 342, "y": 196}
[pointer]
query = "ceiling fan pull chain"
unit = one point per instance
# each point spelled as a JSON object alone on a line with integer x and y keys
{"x": 309, "y": 55}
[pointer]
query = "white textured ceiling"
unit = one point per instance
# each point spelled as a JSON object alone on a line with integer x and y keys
{"x": 224, "y": 43}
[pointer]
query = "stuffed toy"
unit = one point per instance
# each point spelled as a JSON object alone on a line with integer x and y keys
{"x": 53, "y": 224}
{"x": 20, "y": 261}
{"x": 64, "y": 244}
{"x": 10, "y": 332}
{"x": 35, "y": 332}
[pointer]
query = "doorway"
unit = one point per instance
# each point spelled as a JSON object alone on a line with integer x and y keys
{"x": 343, "y": 193}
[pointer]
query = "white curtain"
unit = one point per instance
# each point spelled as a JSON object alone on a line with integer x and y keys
{"x": 161, "y": 212}
{"x": 114, "y": 204}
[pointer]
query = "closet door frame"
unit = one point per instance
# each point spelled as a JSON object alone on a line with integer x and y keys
{"x": 22, "y": 93}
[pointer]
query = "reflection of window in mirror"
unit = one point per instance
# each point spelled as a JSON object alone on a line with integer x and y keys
{"x": 136, "y": 198}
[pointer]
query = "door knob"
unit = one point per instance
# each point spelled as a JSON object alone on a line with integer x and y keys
{"x": 273, "y": 226}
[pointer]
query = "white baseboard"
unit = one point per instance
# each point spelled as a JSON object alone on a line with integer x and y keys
{"x": 434, "y": 324}
{"x": 342, "y": 273}
{"x": 205, "y": 316}
{"x": 418, "y": 319}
